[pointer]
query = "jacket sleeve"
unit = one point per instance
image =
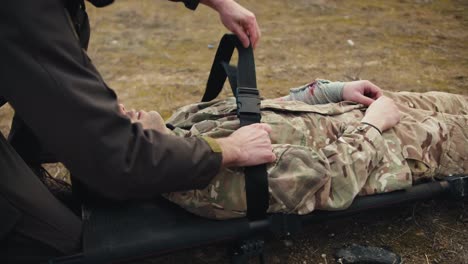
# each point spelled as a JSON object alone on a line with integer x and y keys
{"x": 190, "y": 4}
{"x": 54, "y": 88}
{"x": 327, "y": 178}
{"x": 318, "y": 92}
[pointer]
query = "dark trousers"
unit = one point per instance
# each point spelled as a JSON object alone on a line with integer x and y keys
{"x": 34, "y": 225}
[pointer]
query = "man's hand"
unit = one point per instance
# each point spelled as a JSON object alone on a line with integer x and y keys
{"x": 383, "y": 114}
{"x": 237, "y": 19}
{"x": 247, "y": 146}
{"x": 363, "y": 92}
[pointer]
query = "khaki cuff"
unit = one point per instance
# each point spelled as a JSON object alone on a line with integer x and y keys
{"x": 371, "y": 132}
{"x": 215, "y": 147}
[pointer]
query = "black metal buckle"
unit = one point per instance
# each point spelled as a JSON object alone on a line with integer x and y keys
{"x": 248, "y": 101}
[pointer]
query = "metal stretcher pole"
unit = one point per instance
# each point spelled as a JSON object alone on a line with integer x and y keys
{"x": 285, "y": 225}
{"x": 455, "y": 186}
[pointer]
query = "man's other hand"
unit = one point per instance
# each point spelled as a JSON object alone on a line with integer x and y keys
{"x": 237, "y": 19}
{"x": 247, "y": 146}
{"x": 383, "y": 114}
{"x": 363, "y": 92}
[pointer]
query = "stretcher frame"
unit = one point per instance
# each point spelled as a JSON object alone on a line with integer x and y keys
{"x": 124, "y": 232}
{"x": 121, "y": 232}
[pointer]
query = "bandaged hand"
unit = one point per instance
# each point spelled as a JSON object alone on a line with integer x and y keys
{"x": 363, "y": 92}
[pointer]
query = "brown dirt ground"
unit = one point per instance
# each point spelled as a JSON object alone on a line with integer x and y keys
{"x": 155, "y": 54}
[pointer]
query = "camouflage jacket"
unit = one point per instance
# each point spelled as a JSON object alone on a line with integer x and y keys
{"x": 318, "y": 146}
{"x": 325, "y": 156}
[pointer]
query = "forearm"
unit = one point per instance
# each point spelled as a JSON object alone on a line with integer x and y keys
{"x": 215, "y": 4}
{"x": 317, "y": 92}
{"x": 75, "y": 115}
{"x": 330, "y": 177}
{"x": 352, "y": 158}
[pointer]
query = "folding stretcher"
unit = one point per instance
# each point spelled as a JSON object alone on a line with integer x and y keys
{"x": 125, "y": 231}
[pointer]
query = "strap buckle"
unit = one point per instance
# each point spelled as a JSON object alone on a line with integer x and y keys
{"x": 248, "y": 101}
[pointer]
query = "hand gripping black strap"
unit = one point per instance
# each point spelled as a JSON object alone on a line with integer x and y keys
{"x": 244, "y": 86}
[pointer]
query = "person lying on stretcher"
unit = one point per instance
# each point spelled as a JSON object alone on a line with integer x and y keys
{"x": 328, "y": 150}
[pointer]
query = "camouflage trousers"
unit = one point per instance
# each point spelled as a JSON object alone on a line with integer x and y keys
{"x": 325, "y": 157}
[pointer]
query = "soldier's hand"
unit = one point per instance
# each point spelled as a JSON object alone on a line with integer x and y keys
{"x": 247, "y": 146}
{"x": 237, "y": 19}
{"x": 363, "y": 92}
{"x": 383, "y": 114}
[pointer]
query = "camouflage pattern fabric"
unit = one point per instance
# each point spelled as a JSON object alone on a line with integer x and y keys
{"x": 325, "y": 157}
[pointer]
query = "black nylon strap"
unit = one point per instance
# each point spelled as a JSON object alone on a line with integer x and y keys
{"x": 244, "y": 85}
{"x": 231, "y": 72}
{"x": 191, "y": 4}
{"x": 101, "y": 3}
{"x": 2, "y": 101}
{"x": 218, "y": 74}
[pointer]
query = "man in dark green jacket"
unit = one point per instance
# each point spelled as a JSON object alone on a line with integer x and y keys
{"x": 63, "y": 106}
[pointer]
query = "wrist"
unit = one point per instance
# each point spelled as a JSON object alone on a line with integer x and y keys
{"x": 215, "y": 4}
{"x": 230, "y": 152}
{"x": 373, "y": 126}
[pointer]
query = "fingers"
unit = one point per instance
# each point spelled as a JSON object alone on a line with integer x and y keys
{"x": 253, "y": 30}
{"x": 363, "y": 92}
{"x": 270, "y": 157}
{"x": 248, "y": 146}
{"x": 240, "y": 21}
{"x": 265, "y": 153}
{"x": 378, "y": 94}
{"x": 265, "y": 127}
{"x": 364, "y": 100}
{"x": 373, "y": 90}
{"x": 241, "y": 34}
{"x": 383, "y": 113}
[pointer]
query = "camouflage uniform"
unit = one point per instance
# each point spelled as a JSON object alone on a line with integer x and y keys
{"x": 326, "y": 157}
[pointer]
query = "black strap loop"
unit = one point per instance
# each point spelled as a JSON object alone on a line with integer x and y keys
{"x": 242, "y": 76}
{"x": 244, "y": 86}
{"x": 2, "y": 101}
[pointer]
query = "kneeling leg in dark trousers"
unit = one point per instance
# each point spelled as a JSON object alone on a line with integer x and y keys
{"x": 34, "y": 225}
